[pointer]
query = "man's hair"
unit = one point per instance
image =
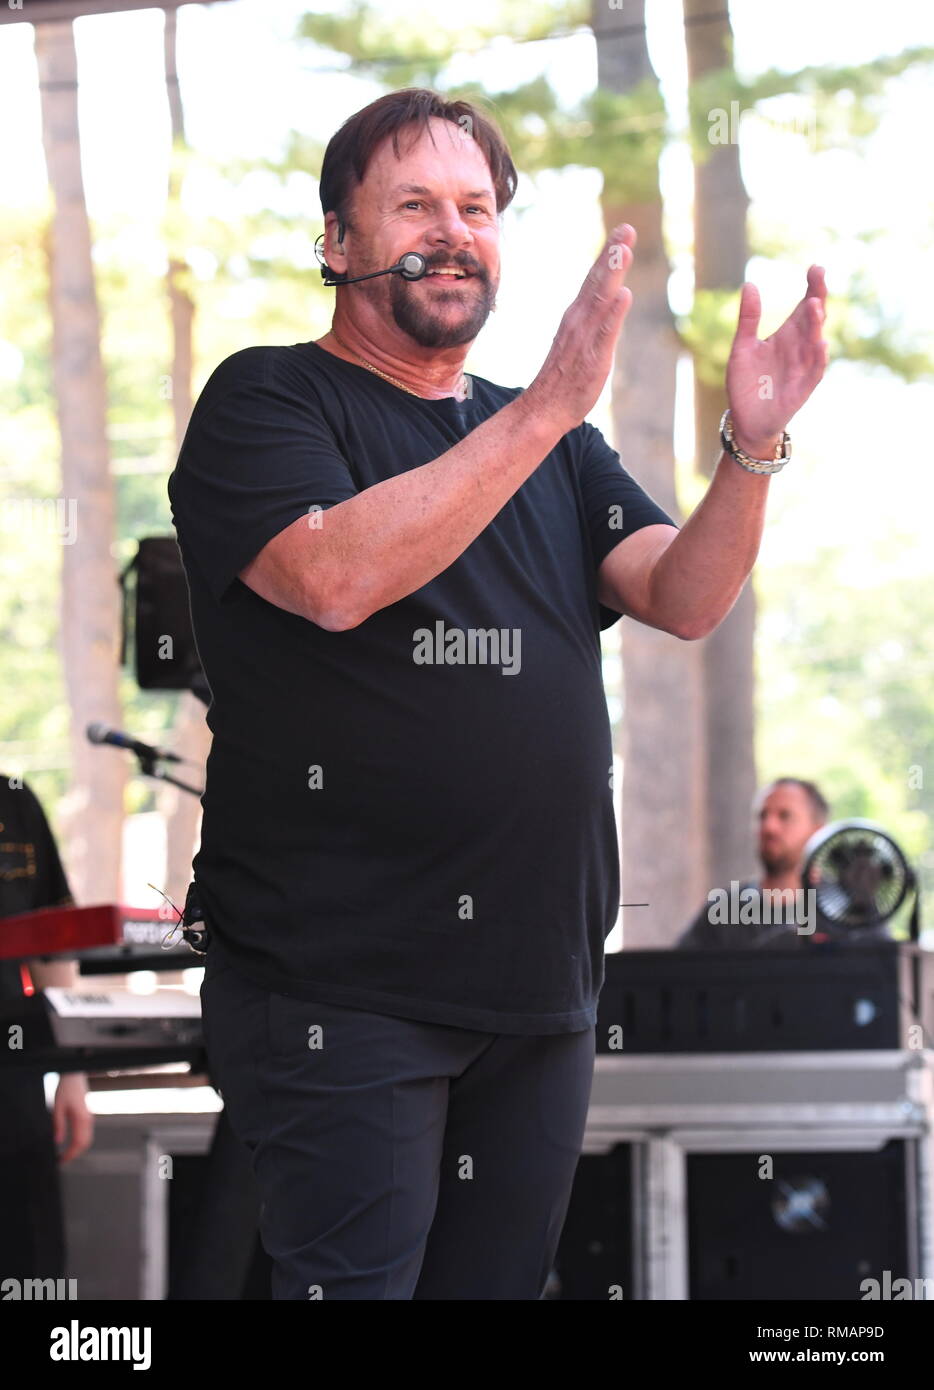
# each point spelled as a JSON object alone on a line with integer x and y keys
{"x": 819, "y": 805}
{"x": 351, "y": 148}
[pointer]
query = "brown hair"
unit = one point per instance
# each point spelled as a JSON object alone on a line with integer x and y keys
{"x": 819, "y": 806}
{"x": 351, "y": 148}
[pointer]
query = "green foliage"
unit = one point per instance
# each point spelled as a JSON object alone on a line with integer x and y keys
{"x": 839, "y": 107}
{"x": 864, "y": 331}
{"x": 622, "y": 136}
{"x": 858, "y": 329}
{"x": 708, "y": 332}
{"x": 416, "y": 52}
{"x": 33, "y": 717}
{"x": 24, "y": 320}
{"x": 254, "y": 282}
{"x": 844, "y": 690}
{"x": 848, "y": 709}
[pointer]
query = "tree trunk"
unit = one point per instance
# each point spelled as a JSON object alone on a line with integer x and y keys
{"x": 191, "y": 736}
{"x": 720, "y": 256}
{"x": 93, "y": 811}
{"x": 662, "y": 849}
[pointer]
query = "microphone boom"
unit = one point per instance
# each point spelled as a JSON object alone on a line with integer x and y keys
{"x": 412, "y": 266}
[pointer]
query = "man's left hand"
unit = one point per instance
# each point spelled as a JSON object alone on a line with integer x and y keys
{"x": 71, "y": 1118}
{"x": 768, "y": 382}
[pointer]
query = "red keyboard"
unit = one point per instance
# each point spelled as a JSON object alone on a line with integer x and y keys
{"x": 69, "y": 931}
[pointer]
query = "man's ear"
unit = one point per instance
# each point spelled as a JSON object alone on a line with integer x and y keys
{"x": 334, "y": 252}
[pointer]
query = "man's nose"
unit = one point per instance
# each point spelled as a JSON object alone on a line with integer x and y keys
{"x": 449, "y": 227}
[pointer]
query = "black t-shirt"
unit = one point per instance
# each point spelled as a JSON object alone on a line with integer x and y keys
{"x": 31, "y": 876}
{"x": 708, "y": 932}
{"x": 382, "y": 828}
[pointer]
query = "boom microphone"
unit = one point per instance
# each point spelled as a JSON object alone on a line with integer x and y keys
{"x": 99, "y": 733}
{"x": 411, "y": 266}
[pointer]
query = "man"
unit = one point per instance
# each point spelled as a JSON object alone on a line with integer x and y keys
{"x": 31, "y": 1226}
{"x": 789, "y": 811}
{"x": 408, "y": 862}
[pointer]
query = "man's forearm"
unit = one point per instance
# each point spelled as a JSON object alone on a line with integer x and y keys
{"x": 52, "y": 974}
{"x": 399, "y": 534}
{"x": 700, "y": 575}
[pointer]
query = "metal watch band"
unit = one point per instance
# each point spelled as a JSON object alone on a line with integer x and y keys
{"x": 746, "y": 460}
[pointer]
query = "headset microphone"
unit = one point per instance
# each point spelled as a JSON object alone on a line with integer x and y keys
{"x": 411, "y": 266}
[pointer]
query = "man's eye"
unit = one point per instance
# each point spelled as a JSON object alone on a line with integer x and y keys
{"x": 412, "y": 204}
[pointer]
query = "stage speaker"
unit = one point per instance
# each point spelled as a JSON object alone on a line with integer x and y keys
{"x": 190, "y": 1187}
{"x": 595, "y": 1251}
{"x": 157, "y": 619}
{"x": 819, "y": 1226}
{"x": 831, "y": 997}
{"x": 136, "y": 1231}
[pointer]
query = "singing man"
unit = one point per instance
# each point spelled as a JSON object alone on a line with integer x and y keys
{"x": 409, "y": 866}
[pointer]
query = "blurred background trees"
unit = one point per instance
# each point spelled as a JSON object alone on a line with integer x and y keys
{"x": 824, "y": 672}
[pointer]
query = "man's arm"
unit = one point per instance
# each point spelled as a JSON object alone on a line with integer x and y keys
{"x": 686, "y": 581}
{"x": 54, "y": 974}
{"x": 371, "y": 550}
{"x": 381, "y": 545}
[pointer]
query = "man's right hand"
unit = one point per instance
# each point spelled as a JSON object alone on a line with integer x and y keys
{"x": 575, "y": 370}
{"x": 396, "y": 535}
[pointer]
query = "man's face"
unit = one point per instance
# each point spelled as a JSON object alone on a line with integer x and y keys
{"x": 436, "y": 198}
{"x": 786, "y": 823}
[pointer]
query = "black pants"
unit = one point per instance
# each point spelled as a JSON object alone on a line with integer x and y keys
{"x": 397, "y": 1159}
{"x": 32, "y": 1237}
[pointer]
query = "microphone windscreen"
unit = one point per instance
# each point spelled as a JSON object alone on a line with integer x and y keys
{"x": 414, "y": 266}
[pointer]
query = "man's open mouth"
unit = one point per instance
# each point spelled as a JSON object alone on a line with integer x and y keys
{"x": 451, "y": 272}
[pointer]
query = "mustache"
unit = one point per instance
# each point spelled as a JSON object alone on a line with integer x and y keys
{"x": 462, "y": 259}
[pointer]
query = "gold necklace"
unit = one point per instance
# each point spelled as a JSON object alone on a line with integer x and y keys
{"x": 370, "y": 368}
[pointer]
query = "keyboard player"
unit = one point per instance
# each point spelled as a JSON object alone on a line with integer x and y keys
{"x": 31, "y": 1223}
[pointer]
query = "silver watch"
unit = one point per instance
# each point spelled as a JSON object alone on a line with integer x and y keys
{"x": 752, "y": 465}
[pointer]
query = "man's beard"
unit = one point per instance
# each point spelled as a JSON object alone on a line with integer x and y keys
{"x": 429, "y": 329}
{"x": 418, "y": 320}
{"x": 776, "y": 862}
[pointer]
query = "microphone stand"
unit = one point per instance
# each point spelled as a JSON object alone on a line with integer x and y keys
{"x": 148, "y": 768}
{"x": 221, "y": 1256}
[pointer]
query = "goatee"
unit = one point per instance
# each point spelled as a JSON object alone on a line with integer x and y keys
{"x": 431, "y": 330}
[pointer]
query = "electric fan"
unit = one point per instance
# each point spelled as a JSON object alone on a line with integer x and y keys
{"x": 860, "y": 879}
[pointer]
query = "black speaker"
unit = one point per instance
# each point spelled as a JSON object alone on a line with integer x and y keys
{"x": 157, "y": 619}
{"x": 815, "y": 1229}
{"x": 595, "y": 1254}
{"x": 832, "y": 997}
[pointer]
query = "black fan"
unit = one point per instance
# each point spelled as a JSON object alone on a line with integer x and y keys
{"x": 860, "y": 878}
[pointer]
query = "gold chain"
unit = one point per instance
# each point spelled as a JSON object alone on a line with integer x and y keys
{"x": 370, "y": 368}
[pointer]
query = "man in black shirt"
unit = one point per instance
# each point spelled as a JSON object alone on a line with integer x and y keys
{"x": 31, "y": 1229}
{"x": 398, "y": 579}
